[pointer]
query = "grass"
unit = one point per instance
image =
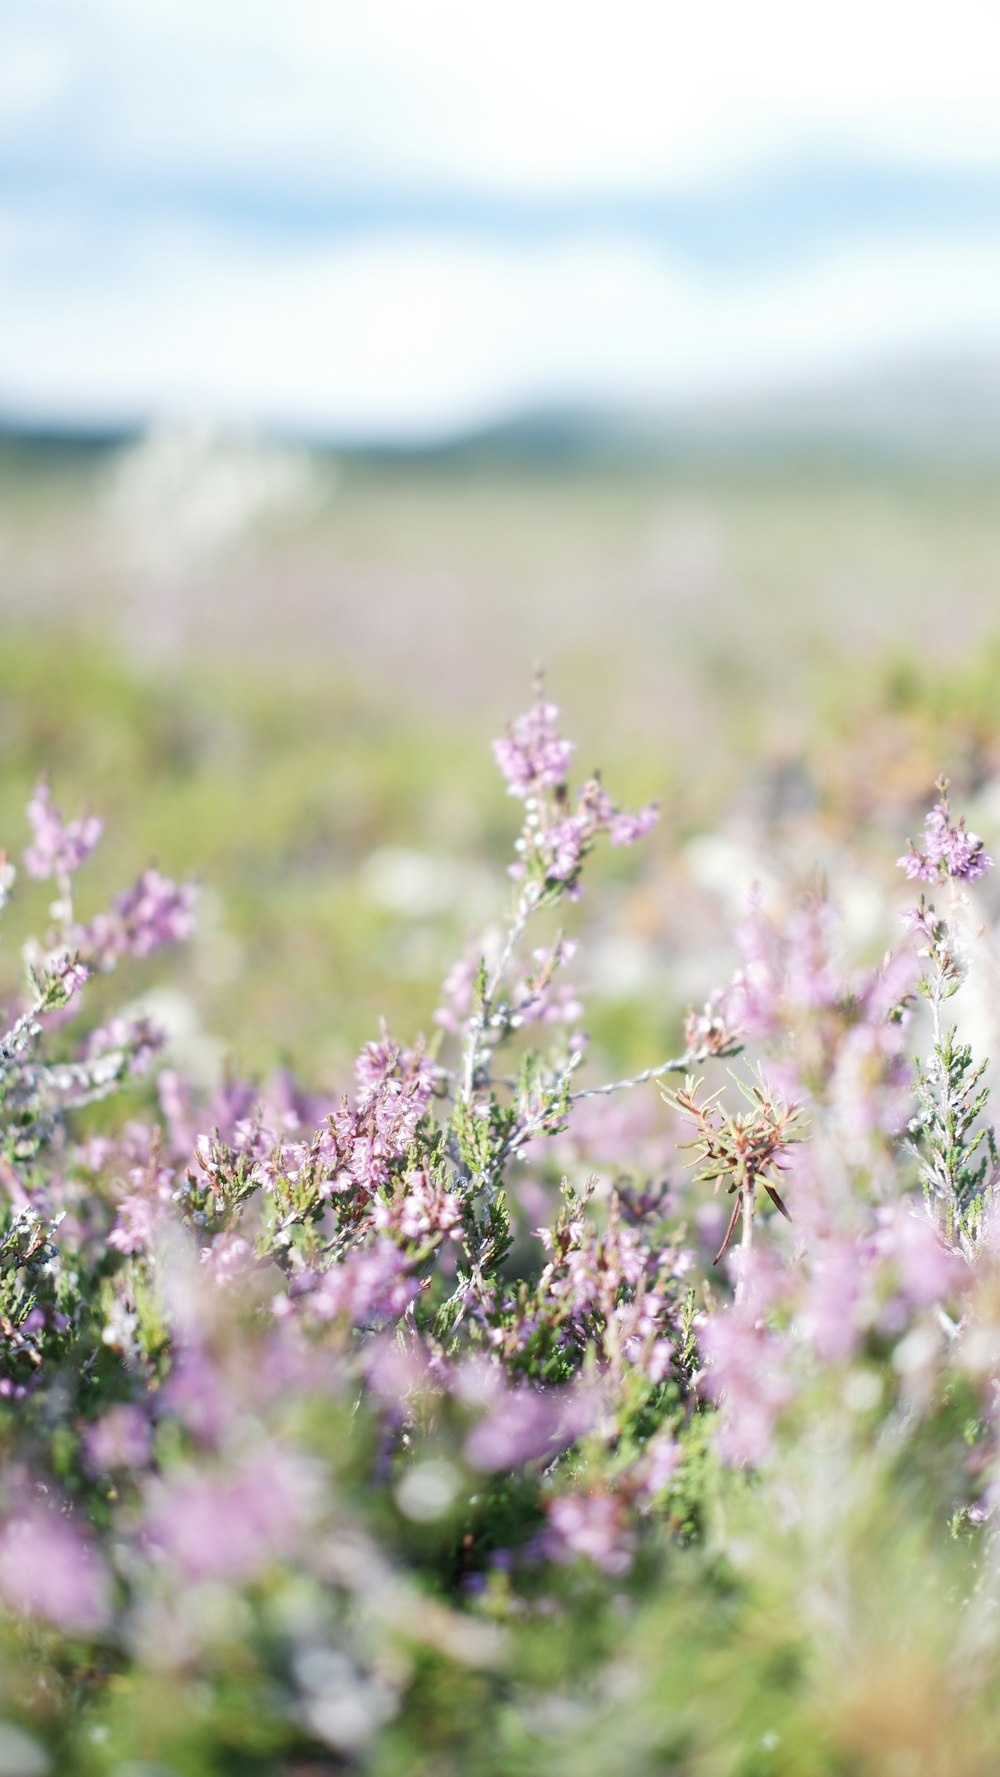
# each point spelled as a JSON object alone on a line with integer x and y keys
{"x": 302, "y": 712}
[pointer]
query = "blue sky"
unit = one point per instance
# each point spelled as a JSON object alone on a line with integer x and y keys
{"x": 400, "y": 218}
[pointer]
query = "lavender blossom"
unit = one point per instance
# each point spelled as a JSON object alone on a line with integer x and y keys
{"x": 64, "y": 975}
{"x": 371, "y": 1286}
{"x": 121, "y": 1440}
{"x": 156, "y": 911}
{"x": 627, "y": 829}
{"x": 948, "y": 849}
{"x": 748, "y": 1377}
{"x": 50, "y": 1570}
{"x": 138, "y": 1039}
{"x": 592, "y": 1525}
{"x": 59, "y": 847}
{"x": 562, "y": 848}
{"x": 228, "y": 1526}
{"x": 531, "y": 754}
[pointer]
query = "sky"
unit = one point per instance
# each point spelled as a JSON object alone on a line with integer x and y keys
{"x": 397, "y": 220}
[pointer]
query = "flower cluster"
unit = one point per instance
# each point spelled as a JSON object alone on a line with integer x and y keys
{"x": 948, "y": 849}
{"x": 324, "y": 1404}
{"x": 156, "y": 911}
{"x": 58, "y": 847}
{"x": 532, "y": 755}
{"x": 558, "y": 833}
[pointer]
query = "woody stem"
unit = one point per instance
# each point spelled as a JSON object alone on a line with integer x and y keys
{"x": 748, "y": 1197}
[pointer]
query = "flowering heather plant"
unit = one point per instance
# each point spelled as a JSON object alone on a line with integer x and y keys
{"x": 948, "y": 851}
{"x": 336, "y": 1437}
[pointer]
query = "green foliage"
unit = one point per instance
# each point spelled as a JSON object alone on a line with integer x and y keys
{"x": 959, "y": 1152}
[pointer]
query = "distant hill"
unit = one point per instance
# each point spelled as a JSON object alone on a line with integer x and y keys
{"x": 938, "y": 413}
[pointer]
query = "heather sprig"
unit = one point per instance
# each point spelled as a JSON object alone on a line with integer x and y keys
{"x": 559, "y": 829}
{"x": 58, "y": 847}
{"x": 955, "y": 1148}
{"x": 957, "y": 1152}
{"x": 948, "y": 850}
{"x": 492, "y": 1122}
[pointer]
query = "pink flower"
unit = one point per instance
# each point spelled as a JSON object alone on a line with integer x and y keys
{"x": 370, "y": 1284}
{"x": 928, "y": 1272}
{"x": 658, "y": 1463}
{"x": 594, "y": 1526}
{"x": 59, "y": 847}
{"x": 216, "y": 1525}
{"x": 626, "y": 829}
{"x": 748, "y": 1380}
{"x": 829, "y": 1311}
{"x": 229, "y": 1258}
{"x": 137, "y": 1038}
{"x": 121, "y": 1440}
{"x": 421, "y": 1207}
{"x": 531, "y": 754}
{"x": 562, "y": 848}
{"x": 49, "y": 1569}
{"x": 947, "y": 849}
{"x": 154, "y": 912}
{"x": 519, "y": 1426}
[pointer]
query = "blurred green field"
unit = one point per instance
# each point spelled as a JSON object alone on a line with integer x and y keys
{"x": 283, "y": 674}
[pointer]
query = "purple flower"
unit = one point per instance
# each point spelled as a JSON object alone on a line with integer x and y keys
{"x": 121, "y": 1440}
{"x": 229, "y": 1259}
{"x": 753, "y": 1001}
{"x": 59, "y": 846}
{"x": 829, "y": 1314}
{"x": 219, "y": 1526}
{"x": 812, "y": 982}
{"x": 592, "y": 1525}
{"x": 517, "y": 1428}
{"x": 927, "y": 1271}
{"x": 137, "y": 1038}
{"x": 369, "y": 1284}
{"x": 531, "y": 754}
{"x": 142, "y": 1207}
{"x": 562, "y": 848}
{"x": 625, "y": 829}
{"x": 921, "y": 922}
{"x": 49, "y": 1569}
{"x": 658, "y": 1463}
{"x": 421, "y": 1207}
{"x": 523, "y": 1424}
{"x": 947, "y": 849}
{"x": 66, "y": 972}
{"x": 154, "y": 912}
{"x": 458, "y": 988}
{"x": 135, "y": 1228}
{"x": 748, "y": 1380}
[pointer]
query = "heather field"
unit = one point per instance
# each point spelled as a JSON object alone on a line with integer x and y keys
{"x": 499, "y": 1256}
{"x": 281, "y": 672}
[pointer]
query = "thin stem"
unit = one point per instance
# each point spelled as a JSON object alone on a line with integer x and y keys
{"x": 64, "y": 885}
{"x": 678, "y": 1064}
{"x": 749, "y": 1199}
{"x": 478, "y": 1030}
{"x": 527, "y": 1130}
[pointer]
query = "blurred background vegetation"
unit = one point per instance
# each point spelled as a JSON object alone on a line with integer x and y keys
{"x": 280, "y": 670}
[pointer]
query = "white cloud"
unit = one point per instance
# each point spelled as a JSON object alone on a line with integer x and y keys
{"x": 414, "y": 334}
{"x": 538, "y": 94}
{"x": 108, "y": 311}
